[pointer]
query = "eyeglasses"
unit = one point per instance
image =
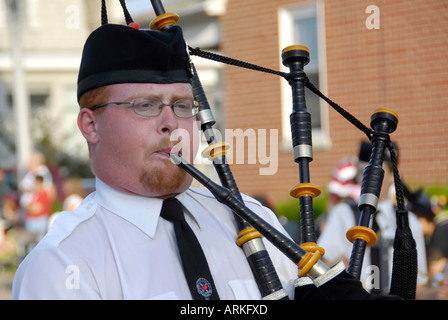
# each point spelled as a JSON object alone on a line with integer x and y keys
{"x": 152, "y": 107}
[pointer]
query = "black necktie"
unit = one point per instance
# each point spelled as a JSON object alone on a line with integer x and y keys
{"x": 194, "y": 263}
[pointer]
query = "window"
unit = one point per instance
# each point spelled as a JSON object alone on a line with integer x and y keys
{"x": 304, "y": 25}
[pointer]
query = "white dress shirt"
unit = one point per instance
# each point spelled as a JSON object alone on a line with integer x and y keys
{"x": 114, "y": 246}
{"x": 341, "y": 218}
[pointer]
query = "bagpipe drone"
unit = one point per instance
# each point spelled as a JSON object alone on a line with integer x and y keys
{"x": 315, "y": 280}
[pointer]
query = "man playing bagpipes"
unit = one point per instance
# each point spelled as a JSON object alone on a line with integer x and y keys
{"x": 145, "y": 233}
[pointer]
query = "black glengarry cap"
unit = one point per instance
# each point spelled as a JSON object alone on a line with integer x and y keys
{"x": 121, "y": 54}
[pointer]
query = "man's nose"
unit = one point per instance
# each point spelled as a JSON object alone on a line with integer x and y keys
{"x": 167, "y": 120}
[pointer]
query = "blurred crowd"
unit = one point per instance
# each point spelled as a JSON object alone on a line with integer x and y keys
{"x": 428, "y": 220}
{"x": 29, "y": 206}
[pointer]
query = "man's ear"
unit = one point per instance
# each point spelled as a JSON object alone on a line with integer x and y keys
{"x": 87, "y": 125}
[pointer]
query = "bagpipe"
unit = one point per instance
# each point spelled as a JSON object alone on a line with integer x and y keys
{"x": 316, "y": 280}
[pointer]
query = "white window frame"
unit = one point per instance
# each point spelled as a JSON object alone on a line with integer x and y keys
{"x": 286, "y": 17}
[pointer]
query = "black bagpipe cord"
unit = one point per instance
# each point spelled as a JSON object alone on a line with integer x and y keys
{"x": 127, "y": 15}
{"x": 405, "y": 268}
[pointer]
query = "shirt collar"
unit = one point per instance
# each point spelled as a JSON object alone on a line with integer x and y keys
{"x": 143, "y": 212}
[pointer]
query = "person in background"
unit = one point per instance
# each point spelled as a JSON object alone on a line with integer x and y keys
{"x": 342, "y": 188}
{"x": 10, "y": 211}
{"x": 38, "y": 210}
{"x": 74, "y": 194}
{"x": 435, "y": 231}
{"x": 342, "y": 217}
{"x": 36, "y": 167}
{"x": 343, "y": 184}
{"x": 438, "y": 259}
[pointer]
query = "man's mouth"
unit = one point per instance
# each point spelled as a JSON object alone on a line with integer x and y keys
{"x": 168, "y": 150}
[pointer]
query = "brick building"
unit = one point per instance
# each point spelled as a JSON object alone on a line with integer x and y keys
{"x": 364, "y": 55}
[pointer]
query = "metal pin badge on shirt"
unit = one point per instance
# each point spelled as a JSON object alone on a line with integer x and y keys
{"x": 204, "y": 287}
